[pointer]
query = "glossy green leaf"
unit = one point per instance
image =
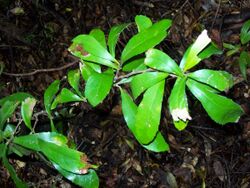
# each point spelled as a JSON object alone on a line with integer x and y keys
{"x": 220, "y": 80}
{"x": 146, "y": 39}
{"x": 53, "y": 146}
{"x": 134, "y": 65}
{"x": 157, "y": 59}
{"x": 66, "y": 96}
{"x": 18, "y": 182}
{"x": 143, "y": 22}
{"x": 99, "y": 35}
{"x": 129, "y": 110}
{"x": 8, "y": 108}
{"x": 16, "y": 97}
{"x": 78, "y": 51}
{"x": 86, "y": 71}
{"x": 114, "y": 35}
{"x": 27, "y": 108}
{"x": 92, "y": 46}
{"x": 19, "y": 150}
{"x": 98, "y": 87}
{"x": 244, "y": 61}
{"x": 178, "y": 105}
{"x": 49, "y": 95}
{"x": 191, "y": 58}
{"x": 149, "y": 113}
{"x": 74, "y": 80}
{"x": 142, "y": 82}
{"x": 211, "y": 49}
{"x": 158, "y": 145}
{"x": 89, "y": 180}
{"x": 31, "y": 141}
{"x": 221, "y": 109}
{"x": 180, "y": 125}
{"x": 245, "y": 33}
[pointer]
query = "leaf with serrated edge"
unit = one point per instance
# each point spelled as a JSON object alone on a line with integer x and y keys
{"x": 142, "y": 22}
{"x": 221, "y": 109}
{"x": 66, "y": 96}
{"x": 99, "y": 35}
{"x": 220, "y": 80}
{"x": 129, "y": 110}
{"x": 178, "y": 104}
{"x": 157, "y": 59}
{"x": 245, "y": 33}
{"x": 146, "y": 39}
{"x": 114, "y": 35}
{"x": 191, "y": 58}
{"x": 144, "y": 81}
{"x": 27, "y": 111}
{"x": 92, "y": 46}
{"x": 98, "y": 87}
{"x": 149, "y": 113}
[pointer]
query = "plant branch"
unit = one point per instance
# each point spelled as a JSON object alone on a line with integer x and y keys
{"x": 41, "y": 70}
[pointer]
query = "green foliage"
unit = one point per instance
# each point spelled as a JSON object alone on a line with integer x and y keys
{"x": 99, "y": 69}
{"x": 244, "y": 58}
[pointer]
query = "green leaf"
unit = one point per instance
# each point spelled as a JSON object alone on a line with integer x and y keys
{"x": 92, "y": 46}
{"x": 220, "y": 80}
{"x": 66, "y": 96}
{"x": 18, "y": 182}
{"x": 16, "y": 97}
{"x": 210, "y": 50}
{"x": 245, "y": 33}
{"x": 178, "y": 105}
{"x": 98, "y": 87}
{"x": 180, "y": 125}
{"x": 114, "y": 35}
{"x": 191, "y": 58}
{"x": 134, "y": 65}
{"x": 129, "y": 110}
{"x": 143, "y": 81}
{"x": 89, "y": 180}
{"x": 146, "y": 39}
{"x": 221, "y": 109}
{"x": 99, "y": 35}
{"x": 78, "y": 51}
{"x": 229, "y": 46}
{"x": 158, "y": 145}
{"x": 244, "y": 61}
{"x": 74, "y": 79}
{"x": 157, "y": 59}
{"x": 149, "y": 113}
{"x": 8, "y": 108}
{"x": 53, "y": 146}
{"x": 27, "y": 108}
{"x": 86, "y": 71}
{"x": 2, "y": 148}
{"x": 9, "y": 130}
{"x": 142, "y": 22}
{"x": 49, "y": 96}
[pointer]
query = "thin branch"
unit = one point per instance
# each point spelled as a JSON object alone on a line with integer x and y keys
{"x": 41, "y": 70}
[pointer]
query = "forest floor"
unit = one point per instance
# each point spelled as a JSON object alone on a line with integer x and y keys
{"x": 35, "y": 35}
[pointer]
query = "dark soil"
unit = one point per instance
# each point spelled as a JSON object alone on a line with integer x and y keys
{"x": 205, "y": 152}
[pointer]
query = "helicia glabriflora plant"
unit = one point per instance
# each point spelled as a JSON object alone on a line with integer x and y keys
{"x": 141, "y": 70}
{"x": 242, "y": 49}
